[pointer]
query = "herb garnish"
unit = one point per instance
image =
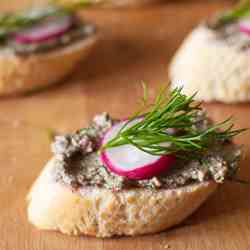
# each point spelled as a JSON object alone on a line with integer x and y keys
{"x": 241, "y": 10}
{"x": 180, "y": 112}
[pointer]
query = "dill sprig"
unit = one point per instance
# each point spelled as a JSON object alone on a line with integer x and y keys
{"x": 241, "y": 10}
{"x": 179, "y": 112}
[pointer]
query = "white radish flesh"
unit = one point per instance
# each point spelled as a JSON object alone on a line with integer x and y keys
{"x": 131, "y": 162}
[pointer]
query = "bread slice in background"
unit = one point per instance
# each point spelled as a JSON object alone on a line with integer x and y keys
{"x": 213, "y": 69}
{"x": 21, "y": 74}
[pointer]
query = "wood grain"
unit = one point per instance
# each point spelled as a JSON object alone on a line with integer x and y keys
{"x": 135, "y": 45}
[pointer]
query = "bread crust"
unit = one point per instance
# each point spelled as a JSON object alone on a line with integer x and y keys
{"x": 102, "y": 213}
{"x": 20, "y": 74}
{"x": 218, "y": 71}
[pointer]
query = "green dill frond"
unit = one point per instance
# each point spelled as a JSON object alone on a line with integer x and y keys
{"x": 175, "y": 111}
{"x": 239, "y": 11}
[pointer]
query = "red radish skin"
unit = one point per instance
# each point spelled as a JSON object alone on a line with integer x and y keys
{"x": 130, "y": 162}
{"x": 244, "y": 27}
{"x": 42, "y": 32}
{"x": 141, "y": 173}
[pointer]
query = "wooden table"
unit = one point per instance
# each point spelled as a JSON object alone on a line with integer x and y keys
{"x": 135, "y": 45}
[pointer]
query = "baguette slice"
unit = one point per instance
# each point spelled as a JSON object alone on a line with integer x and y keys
{"x": 213, "y": 69}
{"x": 20, "y": 74}
{"x": 102, "y": 213}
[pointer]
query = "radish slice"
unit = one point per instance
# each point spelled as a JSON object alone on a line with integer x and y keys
{"x": 50, "y": 28}
{"x": 244, "y": 27}
{"x": 129, "y": 161}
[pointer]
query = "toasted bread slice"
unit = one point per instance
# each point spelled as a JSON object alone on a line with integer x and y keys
{"x": 103, "y": 213}
{"x": 212, "y": 68}
{"x": 20, "y": 74}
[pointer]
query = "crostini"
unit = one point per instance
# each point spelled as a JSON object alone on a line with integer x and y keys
{"x": 40, "y": 47}
{"x": 136, "y": 176}
{"x": 214, "y": 58}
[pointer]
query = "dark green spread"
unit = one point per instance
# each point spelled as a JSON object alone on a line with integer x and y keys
{"x": 78, "y": 163}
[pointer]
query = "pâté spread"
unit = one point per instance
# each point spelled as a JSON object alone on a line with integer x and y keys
{"x": 77, "y": 161}
{"x": 232, "y": 28}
